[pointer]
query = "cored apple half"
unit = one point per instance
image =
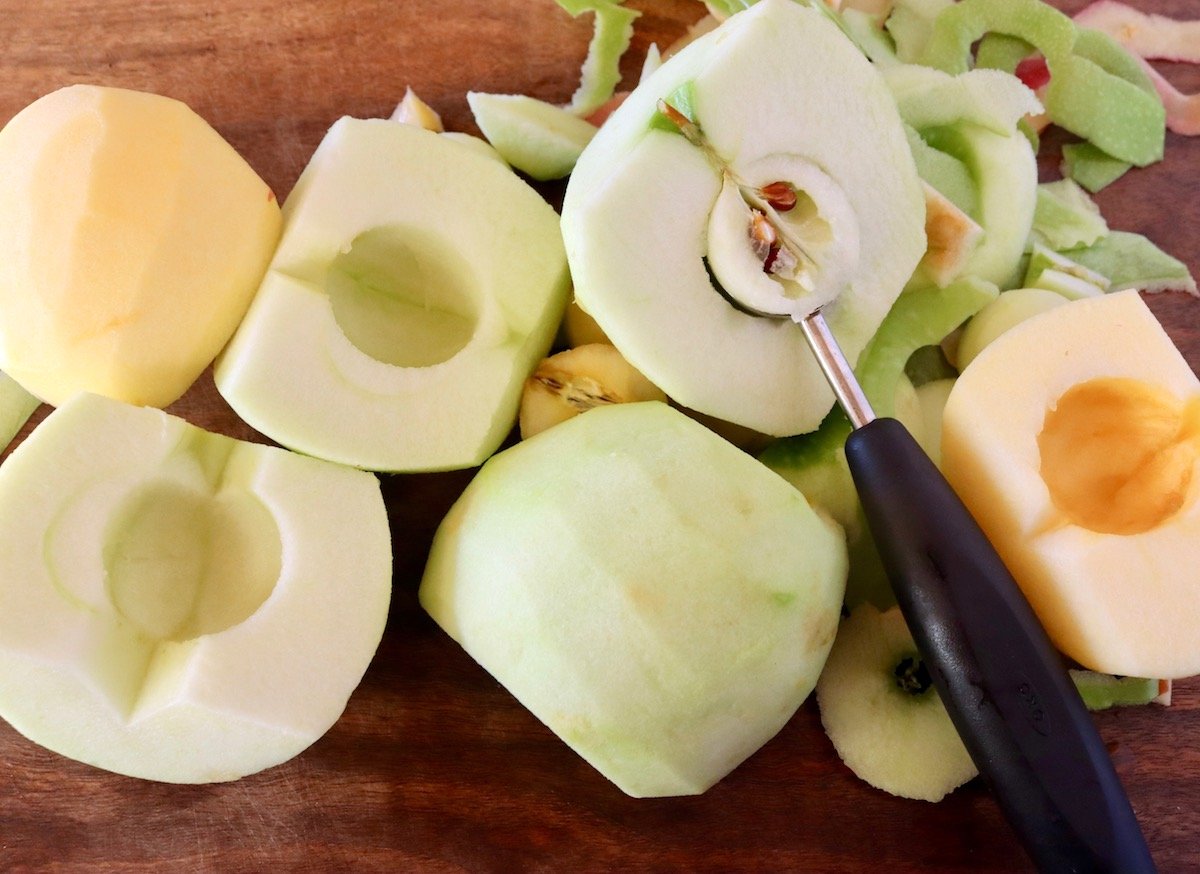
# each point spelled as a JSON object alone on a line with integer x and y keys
{"x": 1074, "y": 439}
{"x": 178, "y": 605}
{"x": 416, "y": 285}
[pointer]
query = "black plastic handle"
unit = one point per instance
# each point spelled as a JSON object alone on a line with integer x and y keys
{"x": 1004, "y": 685}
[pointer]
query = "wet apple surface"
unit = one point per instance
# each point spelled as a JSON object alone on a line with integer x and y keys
{"x": 434, "y": 766}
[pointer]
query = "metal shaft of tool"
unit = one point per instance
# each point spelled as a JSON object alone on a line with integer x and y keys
{"x": 837, "y": 370}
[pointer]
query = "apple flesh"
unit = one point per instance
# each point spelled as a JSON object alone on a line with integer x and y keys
{"x": 883, "y": 714}
{"x": 779, "y": 95}
{"x": 134, "y": 239}
{"x": 660, "y": 600}
{"x": 416, "y": 285}
{"x": 1073, "y": 438}
{"x": 178, "y": 605}
{"x": 16, "y": 406}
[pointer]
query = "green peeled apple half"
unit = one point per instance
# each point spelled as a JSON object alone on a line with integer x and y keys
{"x": 787, "y": 132}
{"x": 883, "y": 714}
{"x": 416, "y": 285}
{"x": 177, "y": 605}
{"x": 656, "y": 597}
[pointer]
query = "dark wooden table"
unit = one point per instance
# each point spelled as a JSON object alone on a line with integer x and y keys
{"x": 434, "y": 766}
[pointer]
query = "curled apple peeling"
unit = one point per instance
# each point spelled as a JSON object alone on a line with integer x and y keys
{"x": 1145, "y": 34}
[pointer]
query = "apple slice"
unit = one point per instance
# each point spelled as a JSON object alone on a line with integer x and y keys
{"x": 1004, "y": 313}
{"x": 659, "y": 599}
{"x": 540, "y": 139}
{"x": 416, "y": 285}
{"x": 781, "y": 100}
{"x": 883, "y": 714}
{"x": 179, "y": 605}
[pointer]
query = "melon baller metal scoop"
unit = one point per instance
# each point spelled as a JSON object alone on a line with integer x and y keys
{"x": 1004, "y": 685}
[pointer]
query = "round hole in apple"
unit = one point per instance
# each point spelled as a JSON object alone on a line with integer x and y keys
{"x": 404, "y": 296}
{"x": 1117, "y": 454}
{"x": 181, "y": 563}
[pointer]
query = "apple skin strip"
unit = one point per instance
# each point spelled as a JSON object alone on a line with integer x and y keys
{"x": 1183, "y": 110}
{"x": 1148, "y": 36}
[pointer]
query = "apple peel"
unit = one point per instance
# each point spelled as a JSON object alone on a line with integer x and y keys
{"x": 1146, "y": 35}
{"x": 601, "y": 72}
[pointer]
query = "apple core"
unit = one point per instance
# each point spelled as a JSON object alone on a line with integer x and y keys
{"x": 403, "y": 296}
{"x": 1117, "y": 454}
{"x": 783, "y": 239}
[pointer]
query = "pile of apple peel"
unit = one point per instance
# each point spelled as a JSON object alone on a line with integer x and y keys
{"x": 661, "y": 600}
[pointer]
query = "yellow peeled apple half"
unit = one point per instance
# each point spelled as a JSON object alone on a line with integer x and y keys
{"x": 133, "y": 240}
{"x": 1074, "y": 439}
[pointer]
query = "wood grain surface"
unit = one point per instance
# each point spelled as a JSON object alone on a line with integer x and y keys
{"x": 434, "y": 766}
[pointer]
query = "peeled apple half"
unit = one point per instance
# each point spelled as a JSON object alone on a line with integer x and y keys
{"x": 1074, "y": 439}
{"x": 177, "y": 605}
{"x": 653, "y": 222}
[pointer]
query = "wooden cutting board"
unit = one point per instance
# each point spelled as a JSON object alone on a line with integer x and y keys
{"x": 434, "y": 766}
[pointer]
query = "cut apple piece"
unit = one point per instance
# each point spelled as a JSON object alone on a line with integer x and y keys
{"x": 647, "y": 226}
{"x": 1074, "y": 440}
{"x": 179, "y": 605}
{"x": 1005, "y": 312}
{"x": 416, "y": 285}
{"x": 953, "y": 236}
{"x": 134, "y": 237}
{"x": 1004, "y": 170}
{"x": 540, "y": 139}
{"x": 578, "y": 380}
{"x": 415, "y": 111}
{"x": 656, "y": 597}
{"x": 882, "y": 713}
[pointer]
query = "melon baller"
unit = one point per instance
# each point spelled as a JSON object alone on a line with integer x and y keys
{"x": 1002, "y": 682}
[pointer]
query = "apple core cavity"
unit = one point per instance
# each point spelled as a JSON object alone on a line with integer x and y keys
{"x": 1117, "y": 454}
{"x": 404, "y": 296}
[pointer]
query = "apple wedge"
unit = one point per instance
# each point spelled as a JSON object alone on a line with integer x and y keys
{"x": 416, "y": 285}
{"x": 789, "y": 123}
{"x": 177, "y": 605}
